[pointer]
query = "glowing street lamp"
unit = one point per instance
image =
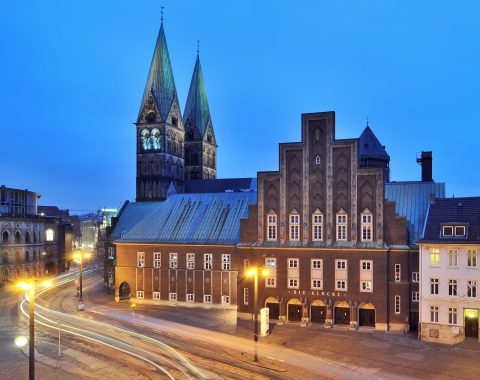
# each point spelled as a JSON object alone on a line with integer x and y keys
{"x": 254, "y": 272}
{"x": 21, "y": 341}
{"x": 79, "y": 256}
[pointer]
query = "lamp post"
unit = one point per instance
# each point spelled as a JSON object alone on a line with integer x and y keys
{"x": 30, "y": 285}
{"x": 253, "y": 272}
{"x": 79, "y": 255}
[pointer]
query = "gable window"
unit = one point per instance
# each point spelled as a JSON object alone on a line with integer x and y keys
{"x": 190, "y": 260}
{"x": 271, "y": 226}
{"x": 294, "y": 219}
{"x": 453, "y": 257}
{"x": 208, "y": 259}
{"x": 140, "y": 259}
{"x": 317, "y": 226}
{"x": 434, "y": 257}
{"x": 157, "y": 259}
{"x": 173, "y": 260}
{"x": 342, "y": 225}
{"x": 226, "y": 262}
{"x": 472, "y": 258}
{"x": 366, "y": 219}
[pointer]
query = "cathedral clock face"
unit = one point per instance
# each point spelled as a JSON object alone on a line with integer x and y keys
{"x": 150, "y": 115}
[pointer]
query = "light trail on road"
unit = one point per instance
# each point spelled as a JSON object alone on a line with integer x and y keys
{"x": 109, "y": 341}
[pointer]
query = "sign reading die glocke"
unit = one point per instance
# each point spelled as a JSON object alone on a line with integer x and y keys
{"x": 335, "y": 249}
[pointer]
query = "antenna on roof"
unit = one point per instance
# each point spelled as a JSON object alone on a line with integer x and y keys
{"x": 198, "y": 47}
{"x": 161, "y": 13}
{"x": 367, "y": 121}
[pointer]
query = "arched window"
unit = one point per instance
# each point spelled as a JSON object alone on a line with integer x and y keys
{"x": 18, "y": 237}
{"x": 294, "y": 225}
{"x": 49, "y": 235}
{"x": 317, "y": 160}
{"x": 271, "y": 226}
{"x": 34, "y": 236}
{"x": 5, "y": 237}
{"x": 34, "y": 258}
{"x": 317, "y": 225}
{"x": 155, "y": 139}
{"x": 342, "y": 220}
{"x": 145, "y": 139}
{"x": 366, "y": 223}
{"x": 27, "y": 256}
{"x": 27, "y": 237}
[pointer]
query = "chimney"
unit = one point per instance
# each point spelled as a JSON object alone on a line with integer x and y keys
{"x": 425, "y": 160}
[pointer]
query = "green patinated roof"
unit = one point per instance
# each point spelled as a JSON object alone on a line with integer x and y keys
{"x": 197, "y": 103}
{"x": 160, "y": 82}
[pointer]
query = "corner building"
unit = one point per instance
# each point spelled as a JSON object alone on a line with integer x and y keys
{"x": 335, "y": 249}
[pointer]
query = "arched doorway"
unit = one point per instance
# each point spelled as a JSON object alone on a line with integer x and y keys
{"x": 342, "y": 313}
{"x": 124, "y": 291}
{"x": 318, "y": 311}
{"x": 273, "y": 307}
{"x": 294, "y": 310}
{"x": 366, "y": 314}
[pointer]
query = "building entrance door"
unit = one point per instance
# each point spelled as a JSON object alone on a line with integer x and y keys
{"x": 366, "y": 317}
{"x": 471, "y": 323}
{"x": 414, "y": 321}
{"x": 319, "y": 314}
{"x": 273, "y": 310}
{"x": 294, "y": 313}
{"x": 342, "y": 316}
{"x": 124, "y": 291}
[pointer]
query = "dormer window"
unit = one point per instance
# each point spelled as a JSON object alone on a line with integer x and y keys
{"x": 451, "y": 231}
{"x": 460, "y": 231}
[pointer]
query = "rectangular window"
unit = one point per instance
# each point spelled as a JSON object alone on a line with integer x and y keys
{"x": 317, "y": 227}
{"x": 341, "y": 264}
{"x": 225, "y": 299}
{"x": 49, "y": 235}
{"x": 434, "y": 314}
{"x": 415, "y": 296}
{"x": 366, "y": 286}
{"x": 452, "y": 315}
{"x": 226, "y": 262}
{"x": 366, "y": 264}
{"x": 190, "y": 260}
{"x": 271, "y": 262}
{"x": 316, "y": 284}
{"x": 366, "y": 226}
{"x": 207, "y": 298}
{"x": 270, "y": 282}
{"x": 341, "y": 285}
{"x": 459, "y": 231}
{"x": 397, "y": 304}
{"x": 271, "y": 227}
{"x": 172, "y": 296}
{"x": 245, "y": 296}
{"x": 434, "y": 257}
{"x": 207, "y": 261}
{"x": 157, "y": 259}
{"x": 190, "y": 297}
{"x": 415, "y": 277}
{"x": 316, "y": 264}
{"x": 293, "y": 263}
{"x": 398, "y": 273}
{"x": 447, "y": 230}
{"x": 173, "y": 262}
{"x": 140, "y": 294}
{"x": 472, "y": 258}
{"x": 293, "y": 282}
{"x": 294, "y": 227}
{"x": 156, "y": 295}
{"x": 472, "y": 289}
{"x": 341, "y": 227}
{"x": 434, "y": 286}
{"x": 453, "y": 257}
{"x": 141, "y": 259}
{"x": 452, "y": 288}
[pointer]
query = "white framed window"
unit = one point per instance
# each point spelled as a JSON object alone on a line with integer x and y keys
{"x": 453, "y": 258}
{"x": 415, "y": 276}
{"x": 459, "y": 231}
{"x": 452, "y": 315}
{"x": 397, "y": 305}
{"x": 447, "y": 231}
{"x": 49, "y": 235}
{"x": 341, "y": 285}
{"x": 140, "y": 294}
{"x": 341, "y": 264}
{"x": 398, "y": 272}
{"x": 173, "y": 262}
{"x": 453, "y": 288}
{"x": 226, "y": 262}
{"x": 172, "y": 296}
{"x": 366, "y": 286}
{"x": 434, "y": 282}
{"x": 190, "y": 260}
{"x": 207, "y": 261}
{"x": 225, "y": 299}
{"x": 156, "y": 295}
{"x": 415, "y": 296}
{"x": 271, "y": 262}
{"x": 190, "y": 297}
{"x": 293, "y": 283}
{"x": 316, "y": 284}
{"x": 245, "y": 296}
{"x": 140, "y": 259}
{"x": 317, "y": 226}
{"x": 316, "y": 263}
{"x": 157, "y": 259}
{"x": 207, "y": 298}
{"x": 271, "y": 226}
{"x": 293, "y": 263}
{"x": 294, "y": 223}
{"x": 434, "y": 314}
{"x": 342, "y": 221}
{"x": 317, "y": 160}
{"x": 366, "y": 265}
{"x": 471, "y": 288}
{"x": 366, "y": 225}
{"x": 472, "y": 258}
{"x": 434, "y": 257}
{"x": 270, "y": 282}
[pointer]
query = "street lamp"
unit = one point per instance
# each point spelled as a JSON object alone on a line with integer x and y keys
{"x": 253, "y": 272}
{"x": 21, "y": 341}
{"x": 79, "y": 255}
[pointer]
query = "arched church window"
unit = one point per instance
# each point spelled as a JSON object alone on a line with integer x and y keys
{"x": 155, "y": 139}
{"x": 5, "y": 237}
{"x": 146, "y": 139}
{"x": 18, "y": 237}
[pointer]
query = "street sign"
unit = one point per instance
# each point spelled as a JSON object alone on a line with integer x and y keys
{"x": 264, "y": 322}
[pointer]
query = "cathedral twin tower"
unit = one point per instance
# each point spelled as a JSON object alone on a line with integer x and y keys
{"x": 172, "y": 148}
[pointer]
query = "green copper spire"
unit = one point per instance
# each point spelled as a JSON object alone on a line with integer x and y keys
{"x": 160, "y": 82}
{"x": 196, "y": 108}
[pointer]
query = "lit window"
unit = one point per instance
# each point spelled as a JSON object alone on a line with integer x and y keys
{"x": 208, "y": 259}
{"x": 293, "y": 282}
{"x": 271, "y": 262}
{"x": 316, "y": 284}
{"x": 157, "y": 259}
{"x": 452, "y": 316}
{"x": 472, "y": 289}
{"x": 317, "y": 160}
{"x": 245, "y": 296}
{"x": 453, "y": 257}
{"x": 366, "y": 219}
{"x": 173, "y": 261}
{"x": 317, "y": 226}
{"x": 294, "y": 226}
{"x": 366, "y": 286}
{"x": 190, "y": 260}
{"x": 415, "y": 296}
{"x": 141, "y": 259}
{"x": 172, "y": 296}
{"x": 434, "y": 314}
{"x": 434, "y": 257}
{"x": 472, "y": 258}
{"x": 226, "y": 262}
{"x": 342, "y": 225}
{"x": 397, "y": 304}
{"x": 207, "y": 298}
{"x": 140, "y": 294}
{"x": 398, "y": 273}
{"x": 190, "y": 297}
{"x": 271, "y": 226}
{"x": 341, "y": 285}
{"x": 434, "y": 286}
{"x": 156, "y": 295}
{"x": 49, "y": 235}
{"x": 452, "y": 288}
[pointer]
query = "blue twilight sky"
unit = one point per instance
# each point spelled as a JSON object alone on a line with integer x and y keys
{"x": 72, "y": 76}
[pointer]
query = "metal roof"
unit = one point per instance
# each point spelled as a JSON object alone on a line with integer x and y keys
{"x": 223, "y": 185}
{"x": 411, "y": 200}
{"x": 185, "y": 219}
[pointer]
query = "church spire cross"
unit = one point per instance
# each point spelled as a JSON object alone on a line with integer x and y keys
{"x": 367, "y": 121}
